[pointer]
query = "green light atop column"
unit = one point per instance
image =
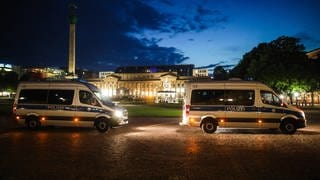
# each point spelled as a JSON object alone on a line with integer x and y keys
{"x": 72, "y": 13}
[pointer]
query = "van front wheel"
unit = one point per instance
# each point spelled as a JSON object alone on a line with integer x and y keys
{"x": 209, "y": 126}
{"x": 102, "y": 125}
{"x": 288, "y": 127}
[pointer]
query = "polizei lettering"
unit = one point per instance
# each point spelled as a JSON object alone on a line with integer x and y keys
{"x": 56, "y": 107}
{"x": 235, "y": 108}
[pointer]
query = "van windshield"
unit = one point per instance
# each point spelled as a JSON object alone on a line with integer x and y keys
{"x": 104, "y": 99}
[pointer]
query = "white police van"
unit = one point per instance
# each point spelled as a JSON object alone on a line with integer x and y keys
{"x": 65, "y": 103}
{"x": 238, "y": 104}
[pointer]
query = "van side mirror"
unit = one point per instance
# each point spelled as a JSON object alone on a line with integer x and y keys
{"x": 283, "y": 104}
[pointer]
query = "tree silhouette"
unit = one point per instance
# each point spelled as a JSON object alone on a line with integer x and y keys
{"x": 8, "y": 81}
{"x": 281, "y": 64}
{"x": 219, "y": 73}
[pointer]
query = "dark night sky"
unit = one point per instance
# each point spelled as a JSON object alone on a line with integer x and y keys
{"x": 139, "y": 32}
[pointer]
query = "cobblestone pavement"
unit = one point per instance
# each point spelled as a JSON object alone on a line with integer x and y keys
{"x": 157, "y": 148}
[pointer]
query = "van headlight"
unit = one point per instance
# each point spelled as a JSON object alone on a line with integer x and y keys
{"x": 303, "y": 115}
{"x": 118, "y": 113}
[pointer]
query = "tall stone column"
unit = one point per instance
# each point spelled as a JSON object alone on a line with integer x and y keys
{"x": 72, "y": 39}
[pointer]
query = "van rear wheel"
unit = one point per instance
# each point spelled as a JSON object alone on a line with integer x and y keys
{"x": 33, "y": 123}
{"x": 209, "y": 126}
{"x": 288, "y": 127}
{"x": 102, "y": 125}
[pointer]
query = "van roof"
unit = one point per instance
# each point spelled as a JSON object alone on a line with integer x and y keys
{"x": 60, "y": 83}
{"x": 229, "y": 82}
{"x": 224, "y": 81}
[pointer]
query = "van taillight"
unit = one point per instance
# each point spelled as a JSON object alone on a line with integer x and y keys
{"x": 14, "y": 108}
{"x": 187, "y": 109}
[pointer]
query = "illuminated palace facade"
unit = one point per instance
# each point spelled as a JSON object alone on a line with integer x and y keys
{"x": 166, "y": 83}
{"x": 155, "y": 83}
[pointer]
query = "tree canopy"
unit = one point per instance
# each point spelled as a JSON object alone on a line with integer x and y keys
{"x": 282, "y": 64}
{"x": 219, "y": 73}
{"x": 8, "y": 81}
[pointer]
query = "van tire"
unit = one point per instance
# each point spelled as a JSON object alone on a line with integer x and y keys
{"x": 209, "y": 126}
{"x": 102, "y": 125}
{"x": 288, "y": 126}
{"x": 33, "y": 123}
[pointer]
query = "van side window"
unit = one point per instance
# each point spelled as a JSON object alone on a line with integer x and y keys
{"x": 33, "y": 96}
{"x": 207, "y": 97}
{"x": 239, "y": 97}
{"x": 64, "y": 97}
{"x": 270, "y": 98}
{"x": 86, "y": 97}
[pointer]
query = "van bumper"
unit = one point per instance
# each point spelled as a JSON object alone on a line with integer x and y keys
{"x": 301, "y": 123}
{"x": 123, "y": 122}
{"x": 190, "y": 121}
{"x": 20, "y": 121}
{"x": 119, "y": 121}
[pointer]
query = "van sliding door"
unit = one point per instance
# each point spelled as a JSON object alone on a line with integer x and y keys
{"x": 60, "y": 106}
{"x": 240, "y": 109}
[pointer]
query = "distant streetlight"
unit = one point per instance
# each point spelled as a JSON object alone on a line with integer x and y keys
{"x": 296, "y": 94}
{"x": 281, "y": 96}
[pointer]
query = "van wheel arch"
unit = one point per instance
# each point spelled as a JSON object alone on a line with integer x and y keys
{"x": 102, "y": 124}
{"x": 288, "y": 126}
{"x": 209, "y": 125}
{"x": 33, "y": 122}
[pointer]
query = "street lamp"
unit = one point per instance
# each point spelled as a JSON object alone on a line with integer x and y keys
{"x": 296, "y": 94}
{"x": 281, "y": 96}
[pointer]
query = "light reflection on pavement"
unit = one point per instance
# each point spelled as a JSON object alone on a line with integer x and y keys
{"x": 158, "y": 148}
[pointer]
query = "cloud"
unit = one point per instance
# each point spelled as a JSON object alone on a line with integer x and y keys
{"x": 207, "y": 18}
{"x": 308, "y": 40}
{"x": 188, "y": 17}
{"x": 167, "y": 2}
{"x": 141, "y": 16}
{"x": 198, "y": 20}
{"x": 113, "y": 38}
{"x": 211, "y": 65}
{"x": 37, "y": 33}
{"x": 134, "y": 17}
{"x": 233, "y": 48}
{"x": 151, "y": 41}
{"x": 304, "y": 36}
